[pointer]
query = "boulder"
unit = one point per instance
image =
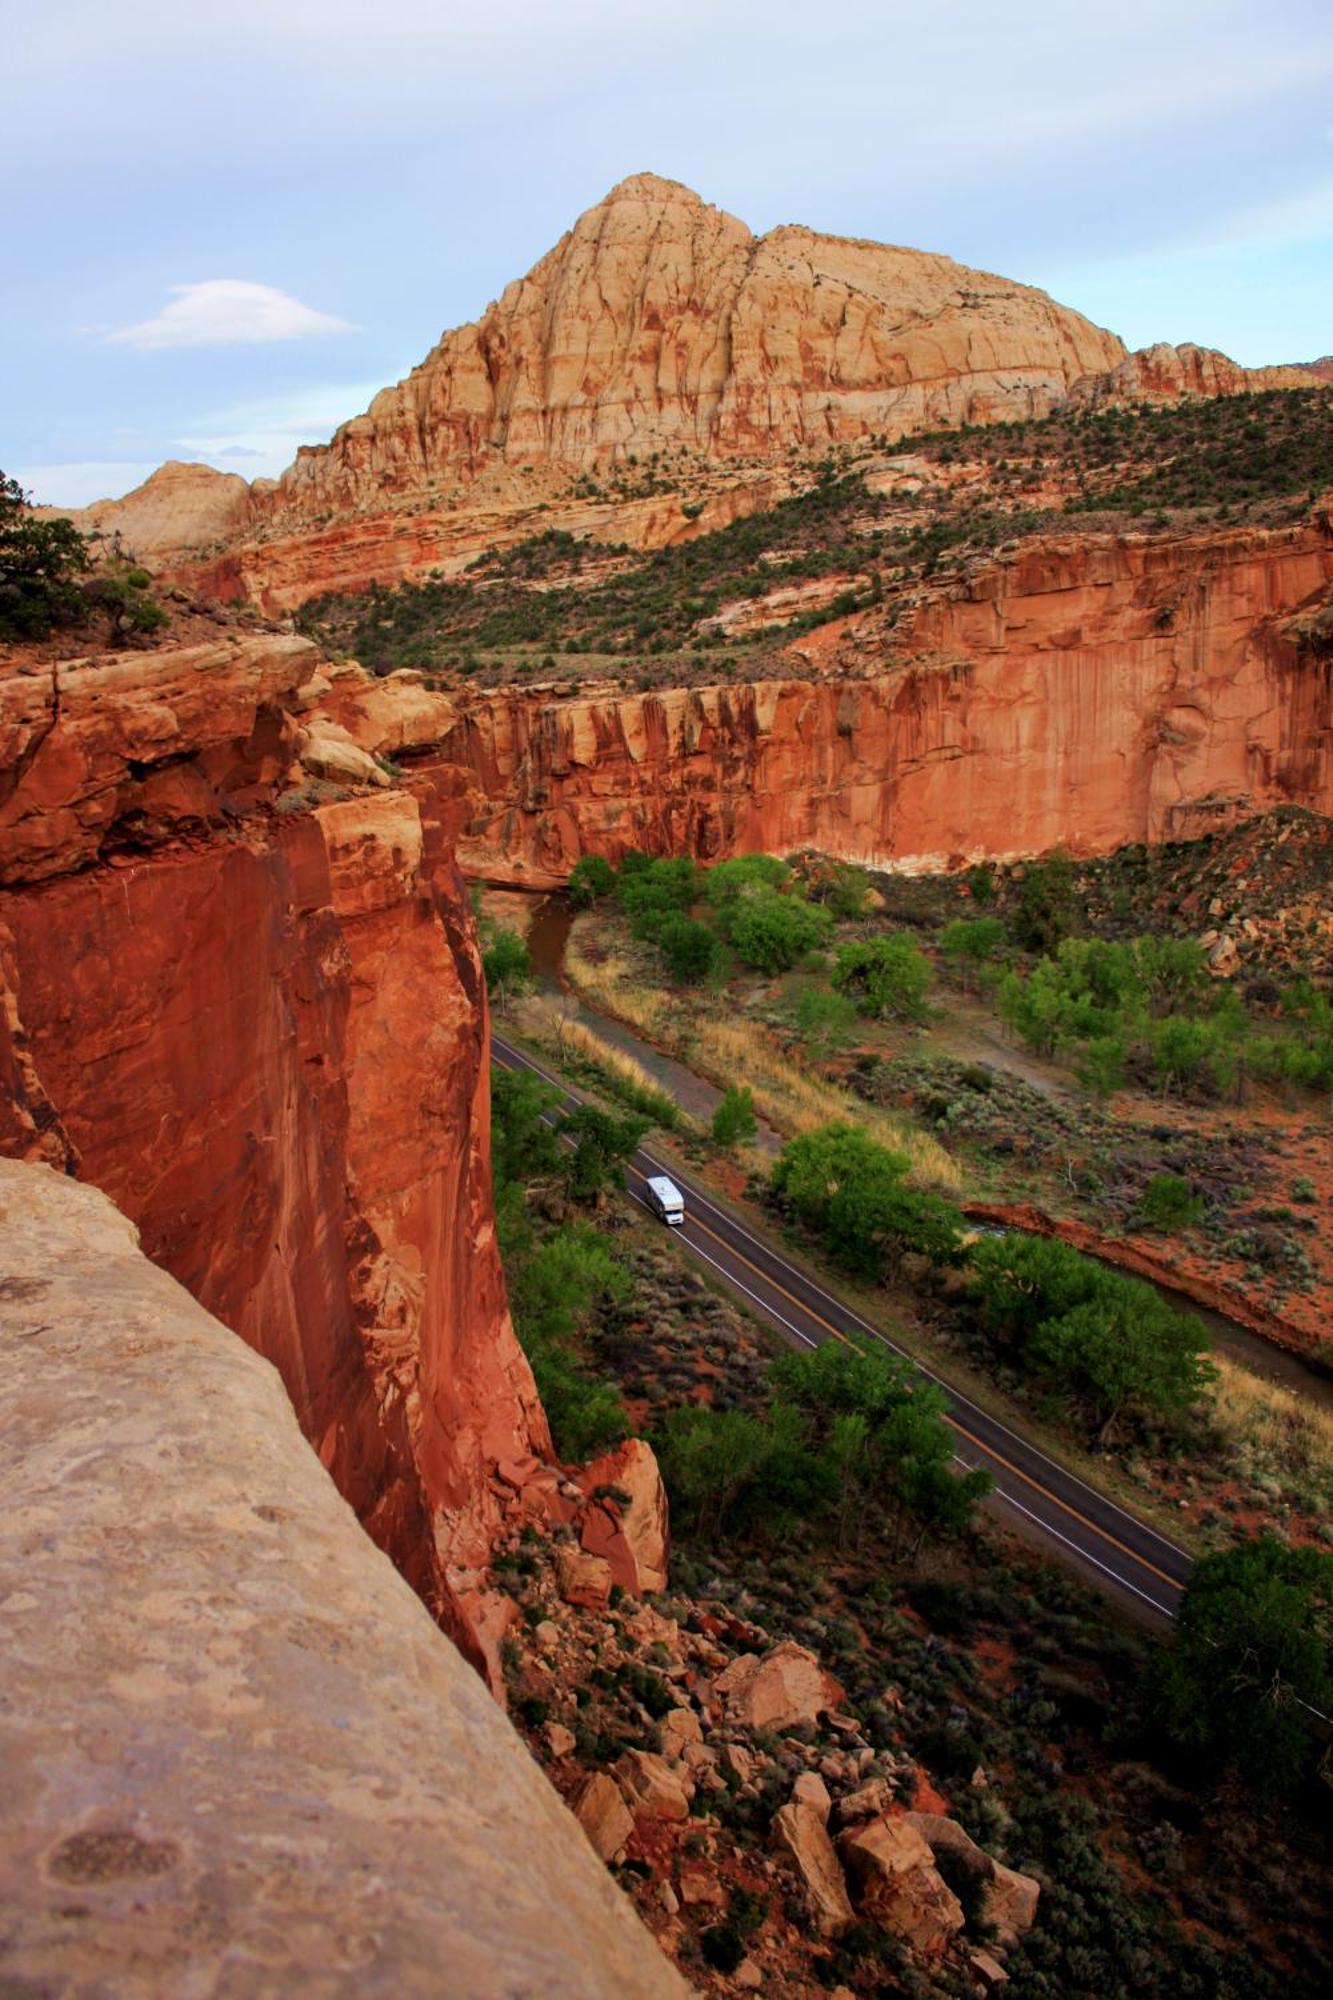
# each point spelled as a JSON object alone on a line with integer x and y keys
{"x": 738, "y": 1762}
{"x": 786, "y": 1686}
{"x": 810, "y": 1790}
{"x": 625, "y": 1520}
{"x": 583, "y": 1579}
{"x": 988, "y": 1970}
{"x": 869, "y": 1801}
{"x": 1011, "y": 1898}
{"x": 603, "y": 1815}
{"x": 327, "y": 751}
{"x": 800, "y": 1835}
{"x": 1011, "y": 1904}
{"x": 649, "y": 1786}
{"x": 896, "y": 1884}
{"x": 559, "y": 1740}
{"x": 677, "y": 1729}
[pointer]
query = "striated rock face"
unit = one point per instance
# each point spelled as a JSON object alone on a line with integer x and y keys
{"x": 1166, "y": 374}
{"x": 658, "y": 325}
{"x": 1085, "y": 691}
{"x": 239, "y": 1758}
{"x": 659, "y": 321}
{"x": 263, "y": 1033}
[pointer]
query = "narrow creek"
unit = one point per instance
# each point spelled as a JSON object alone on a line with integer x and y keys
{"x": 548, "y": 936}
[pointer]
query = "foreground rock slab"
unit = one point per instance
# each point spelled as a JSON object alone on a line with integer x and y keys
{"x": 234, "y": 1741}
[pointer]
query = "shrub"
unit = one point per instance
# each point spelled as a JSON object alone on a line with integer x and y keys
{"x": 734, "y": 1119}
{"x": 1168, "y": 1202}
{"x": 590, "y": 879}
{"x": 689, "y": 949}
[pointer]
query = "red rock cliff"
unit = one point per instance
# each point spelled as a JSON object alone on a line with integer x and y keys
{"x": 262, "y": 1032}
{"x": 1087, "y": 692}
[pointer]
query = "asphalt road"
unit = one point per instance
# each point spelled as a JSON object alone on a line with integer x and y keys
{"x": 1108, "y": 1545}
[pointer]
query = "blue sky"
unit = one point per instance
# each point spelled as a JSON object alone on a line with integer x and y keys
{"x": 233, "y": 222}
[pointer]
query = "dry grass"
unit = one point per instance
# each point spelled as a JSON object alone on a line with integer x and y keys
{"x": 732, "y": 1048}
{"x": 1276, "y": 1436}
{"x": 544, "y": 1021}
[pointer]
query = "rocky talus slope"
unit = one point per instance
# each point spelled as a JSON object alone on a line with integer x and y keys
{"x": 1086, "y": 691}
{"x": 246, "y": 1002}
{"x": 238, "y": 1755}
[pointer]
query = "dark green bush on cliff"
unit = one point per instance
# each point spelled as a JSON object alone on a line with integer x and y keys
{"x": 41, "y": 567}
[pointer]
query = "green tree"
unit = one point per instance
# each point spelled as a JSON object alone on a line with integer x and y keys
{"x": 558, "y": 1292}
{"x": 600, "y": 1144}
{"x": 652, "y": 890}
{"x": 734, "y": 1120}
{"x": 884, "y": 975}
{"x": 689, "y": 949}
{"x": 524, "y": 1147}
{"x": 590, "y": 879}
{"x": 744, "y": 875}
{"x": 1252, "y": 1657}
{"x": 882, "y": 1428}
{"x": 852, "y": 1191}
{"x": 972, "y": 942}
{"x": 1124, "y": 1352}
{"x": 772, "y": 932}
{"x": 507, "y": 965}
{"x": 41, "y": 564}
{"x": 1044, "y": 911}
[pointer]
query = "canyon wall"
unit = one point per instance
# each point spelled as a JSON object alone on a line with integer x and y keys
{"x": 1085, "y": 692}
{"x": 257, "y": 1021}
{"x": 238, "y": 1756}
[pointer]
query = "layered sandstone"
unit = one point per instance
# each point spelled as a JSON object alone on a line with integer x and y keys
{"x": 659, "y": 322}
{"x": 239, "y": 1758}
{"x": 1075, "y": 691}
{"x": 1167, "y": 374}
{"x": 252, "y": 1011}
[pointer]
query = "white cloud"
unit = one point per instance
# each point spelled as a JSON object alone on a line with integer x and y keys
{"x": 225, "y": 312}
{"x": 79, "y": 482}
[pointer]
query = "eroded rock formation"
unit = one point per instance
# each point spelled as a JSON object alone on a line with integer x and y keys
{"x": 1084, "y": 691}
{"x": 1167, "y": 374}
{"x": 258, "y": 1022}
{"x": 238, "y": 1755}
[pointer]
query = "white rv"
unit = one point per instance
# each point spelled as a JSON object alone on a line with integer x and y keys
{"x": 665, "y": 1199}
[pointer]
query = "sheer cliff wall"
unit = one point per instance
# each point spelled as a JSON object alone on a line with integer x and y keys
{"x": 258, "y": 1022}
{"x": 1085, "y": 692}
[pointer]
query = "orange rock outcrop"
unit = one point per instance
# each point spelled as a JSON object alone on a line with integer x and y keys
{"x": 259, "y": 1025}
{"x": 1166, "y": 374}
{"x": 1084, "y": 691}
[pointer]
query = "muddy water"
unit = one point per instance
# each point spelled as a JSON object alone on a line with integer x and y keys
{"x": 547, "y": 938}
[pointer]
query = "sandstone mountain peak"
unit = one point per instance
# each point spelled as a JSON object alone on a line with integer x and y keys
{"x": 660, "y": 323}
